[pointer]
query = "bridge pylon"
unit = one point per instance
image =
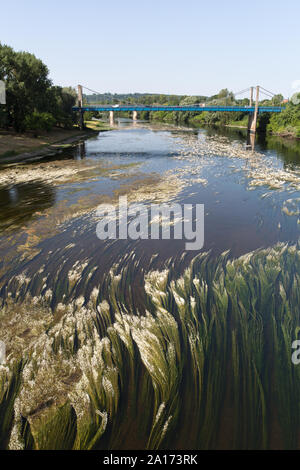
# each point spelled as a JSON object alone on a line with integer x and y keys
{"x": 251, "y": 96}
{"x": 111, "y": 118}
{"x": 80, "y": 105}
{"x": 252, "y": 122}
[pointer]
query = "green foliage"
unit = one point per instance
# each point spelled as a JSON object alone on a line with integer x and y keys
{"x": 27, "y": 82}
{"x": 39, "y": 122}
{"x": 60, "y": 103}
{"x": 277, "y": 100}
{"x": 286, "y": 122}
{"x": 190, "y": 100}
{"x": 144, "y": 115}
{"x": 9, "y": 388}
{"x": 263, "y": 122}
{"x": 3, "y": 117}
{"x": 88, "y": 115}
{"x": 163, "y": 116}
{"x": 207, "y": 365}
{"x": 29, "y": 91}
{"x": 26, "y": 434}
{"x": 57, "y": 432}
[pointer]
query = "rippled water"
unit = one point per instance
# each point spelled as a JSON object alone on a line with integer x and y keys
{"x": 49, "y": 252}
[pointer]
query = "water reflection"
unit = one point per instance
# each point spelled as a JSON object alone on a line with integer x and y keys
{"x": 288, "y": 150}
{"x": 80, "y": 151}
{"x": 19, "y": 202}
{"x": 250, "y": 140}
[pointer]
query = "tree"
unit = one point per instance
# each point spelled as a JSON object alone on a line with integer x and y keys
{"x": 27, "y": 83}
{"x": 189, "y": 101}
{"x": 60, "y": 102}
{"x": 295, "y": 99}
{"x": 223, "y": 93}
{"x": 39, "y": 122}
{"x": 277, "y": 100}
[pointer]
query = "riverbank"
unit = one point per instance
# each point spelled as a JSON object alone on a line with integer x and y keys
{"x": 288, "y": 132}
{"x": 16, "y": 148}
{"x": 285, "y": 124}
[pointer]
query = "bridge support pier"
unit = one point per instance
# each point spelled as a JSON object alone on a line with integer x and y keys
{"x": 250, "y": 141}
{"x": 111, "y": 118}
{"x": 134, "y": 115}
{"x": 80, "y": 103}
{"x": 81, "y": 120}
{"x": 252, "y": 122}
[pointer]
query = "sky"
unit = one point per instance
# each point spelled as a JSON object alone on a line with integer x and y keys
{"x": 188, "y": 47}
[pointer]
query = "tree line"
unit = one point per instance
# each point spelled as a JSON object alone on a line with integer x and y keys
{"x": 32, "y": 102}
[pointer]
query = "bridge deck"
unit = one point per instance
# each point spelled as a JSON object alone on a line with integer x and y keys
{"x": 243, "y": 109}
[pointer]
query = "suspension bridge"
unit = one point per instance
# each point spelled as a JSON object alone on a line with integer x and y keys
{"x": 253, "y": 109}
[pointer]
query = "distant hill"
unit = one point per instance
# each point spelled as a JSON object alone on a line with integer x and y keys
{"x": 144, "y": 98}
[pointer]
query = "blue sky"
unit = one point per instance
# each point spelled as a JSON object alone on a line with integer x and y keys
{"x": 166, "y": 46}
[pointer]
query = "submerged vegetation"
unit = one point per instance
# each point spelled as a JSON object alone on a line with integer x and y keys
{"x": 207, "y": 363}
{"x": 110, "y": 346}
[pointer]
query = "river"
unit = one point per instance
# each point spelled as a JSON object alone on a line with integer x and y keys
{"x": 53, "y": 267}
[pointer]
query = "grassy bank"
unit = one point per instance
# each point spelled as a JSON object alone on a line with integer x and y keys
{"x": 97, "y": 126}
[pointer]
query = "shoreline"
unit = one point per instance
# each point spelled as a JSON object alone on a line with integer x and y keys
{"x": 283, "y": 135}
{"x": 41, "y": 150}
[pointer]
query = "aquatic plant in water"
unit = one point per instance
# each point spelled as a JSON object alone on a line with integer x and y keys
{"x": 207, "y": 363}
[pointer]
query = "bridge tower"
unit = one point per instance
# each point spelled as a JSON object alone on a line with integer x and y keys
{"x": 80, "y": 104}
{"x": 253, "y": 116}
{"x": 111, "y": 118}
{"x": 251, "y": 96}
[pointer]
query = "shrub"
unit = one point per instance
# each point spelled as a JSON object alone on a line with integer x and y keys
{"x": 39, "y": 122}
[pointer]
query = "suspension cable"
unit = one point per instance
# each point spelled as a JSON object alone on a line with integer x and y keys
{"x": 93, "y": 91}
{"x": 263, "y": 90}
{"x": 267, "y": 94}
{"x": 270, "y": 92}
{"x": 242, "y": 91}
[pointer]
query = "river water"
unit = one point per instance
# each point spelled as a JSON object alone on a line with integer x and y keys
{"x": 49, "y": 251}
{"x": 251, "y": 198}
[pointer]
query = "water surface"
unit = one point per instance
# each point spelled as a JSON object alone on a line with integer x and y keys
{"x": 69, "y": 300}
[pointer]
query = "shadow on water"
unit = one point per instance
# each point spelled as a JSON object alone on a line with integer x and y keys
{"x": 288, "y": 150}
{"x": 19, "y": 202}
